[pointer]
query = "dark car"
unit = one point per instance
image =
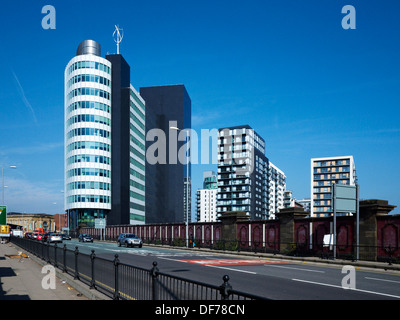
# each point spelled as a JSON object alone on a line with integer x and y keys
{"x": 45, "y": 236}
{"x": 66, "y": 236}
{"x": 85, "y": 238}
{"x": 129, "y": 240}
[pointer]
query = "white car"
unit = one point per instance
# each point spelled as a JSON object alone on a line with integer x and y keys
{"x": 129, "y": 240}
{"x": 55, "y": 237}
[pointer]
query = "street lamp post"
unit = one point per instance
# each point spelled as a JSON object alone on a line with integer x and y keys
{"x": 2, "y": 185}
{"x": 187, "y": 184}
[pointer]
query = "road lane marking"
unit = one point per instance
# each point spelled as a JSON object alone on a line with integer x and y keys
{"x": 172, "y": 259}
{"x": 293, "y": 268}
{"x": 116, "y": 250}
{"x": 382, "y": 279}
{"x": 340, "y": 287}
{"x": 231, "y": 269}
{"x": 211, "y": 266}
{"x": 231, "y": 262}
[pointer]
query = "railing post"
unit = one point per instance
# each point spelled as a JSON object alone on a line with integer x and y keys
{"x": 42, "y": 246}
{"x": 65, "y": 258}
{"x": 93, "y": 281}
{"x": 48, "y": 252}
{"x": 76, "y": 277}
{"x": 154, "y": 275}
{"x": 55, "y": 255}
{"x": 225, "y": 288}
{"x": 390, "y": 255}
{"x": 116, "y": 263}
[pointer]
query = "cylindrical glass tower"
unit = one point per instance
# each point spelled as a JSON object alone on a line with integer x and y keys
{"x": 87, "y": 136}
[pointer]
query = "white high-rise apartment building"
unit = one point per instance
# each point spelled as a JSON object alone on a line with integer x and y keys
{"x": 306, "y": 204}
{"x": 325, "y": 172}
{"x": 207, "y": 205}
{"x": 277, "y": 187}
{"x": 207, "y": 198}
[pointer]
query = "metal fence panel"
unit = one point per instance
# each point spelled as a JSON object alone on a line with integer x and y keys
{"x": 122, "y": 281}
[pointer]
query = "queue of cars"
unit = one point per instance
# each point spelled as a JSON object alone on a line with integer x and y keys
{"x": 50, "y": 237}
{"x": 124, "y": 239}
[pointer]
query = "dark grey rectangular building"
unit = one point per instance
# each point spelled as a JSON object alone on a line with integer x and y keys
{"x": 120, "y": 147}
{"x": 166, "y": 106}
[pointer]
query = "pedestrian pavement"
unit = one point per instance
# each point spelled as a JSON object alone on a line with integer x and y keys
{"x": 21, "y": 278}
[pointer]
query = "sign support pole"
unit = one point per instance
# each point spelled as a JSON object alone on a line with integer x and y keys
{"x": 345, "y": 200}
{"x": 334, "y": 220}
{"x": 358, "y": 222}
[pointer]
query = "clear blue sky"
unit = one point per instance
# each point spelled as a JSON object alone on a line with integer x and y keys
{"x": 285, "y": 67}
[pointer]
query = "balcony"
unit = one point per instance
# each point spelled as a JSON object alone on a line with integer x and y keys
{"x": 241, "y": 181}
{"x": 225, "y": 196}
{"x": 241, "y": 188}
{"x": 240, "y": 202}
{"x": 241, "y": 195}
{"x": 224, "y": 183}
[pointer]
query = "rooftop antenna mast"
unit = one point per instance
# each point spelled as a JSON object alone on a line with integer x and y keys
{"x": 118, "y": 36}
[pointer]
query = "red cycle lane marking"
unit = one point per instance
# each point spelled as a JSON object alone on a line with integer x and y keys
{"x": 231, "y": 262}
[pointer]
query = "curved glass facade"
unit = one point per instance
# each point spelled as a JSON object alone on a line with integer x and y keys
{"x": 104, "y": 141}
{"x": 87, "y": 139}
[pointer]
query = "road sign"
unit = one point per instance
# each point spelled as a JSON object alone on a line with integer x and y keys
{"x": 328, "y": 240}
{"x": 100, "y": 223}
{"x": 3, "y": 215}
{"x": 346, "y": 198}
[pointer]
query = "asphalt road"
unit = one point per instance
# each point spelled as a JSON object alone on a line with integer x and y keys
{"x": 271, "y": 278}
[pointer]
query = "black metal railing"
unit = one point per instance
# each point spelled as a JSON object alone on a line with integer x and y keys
{"x": 121, "y": 281}
{"x": 388, "y": 254}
